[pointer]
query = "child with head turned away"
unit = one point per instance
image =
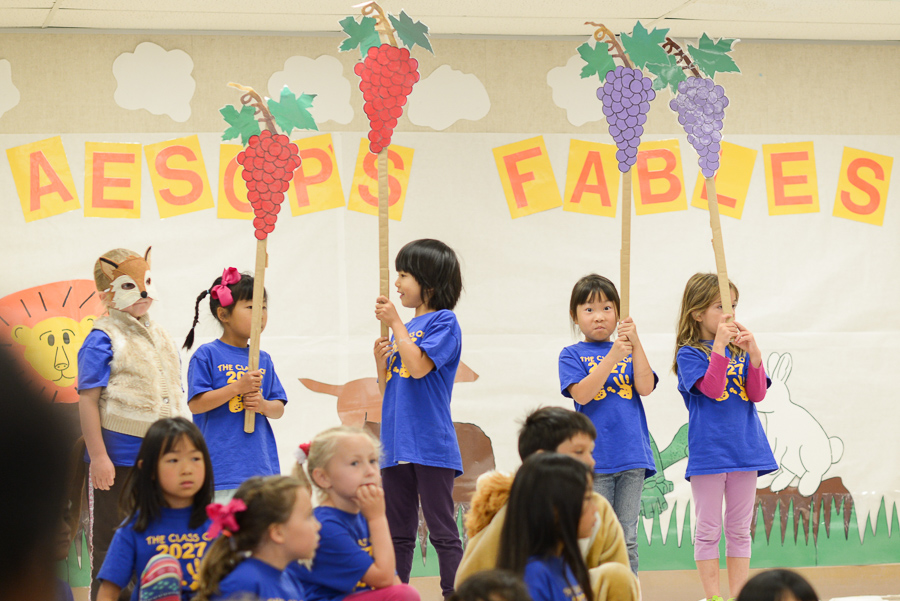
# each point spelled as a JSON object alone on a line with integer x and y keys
{"x": 603, "y": 551}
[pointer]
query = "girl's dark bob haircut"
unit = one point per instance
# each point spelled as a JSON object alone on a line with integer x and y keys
{"x": 542, "y": 514}
{"x": 435, "y": 267}
{"x": 142, "y": 498}
{"x": 777, "y": 585}
{"x": 589, "y": 287}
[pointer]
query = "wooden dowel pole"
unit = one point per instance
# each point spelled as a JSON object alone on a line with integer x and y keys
{"x": 625, "y": 254}
{"x": 259, "y": 279}
{"x": 718, "y": 245}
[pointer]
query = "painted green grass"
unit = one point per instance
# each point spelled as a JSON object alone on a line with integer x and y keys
{"x": 832, "y": 548}
{"x": 69, "y": 571}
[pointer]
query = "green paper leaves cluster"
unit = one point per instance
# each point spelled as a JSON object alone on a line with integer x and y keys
{"x": 363, "y": 35}
{"x": 290, "y": 113}
{"x": 647, "y": 51}
{"x": 243, "y": 124}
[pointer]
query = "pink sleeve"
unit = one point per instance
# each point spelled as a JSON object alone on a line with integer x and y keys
{"x": 712, "y": 384}
{"x": 756, "y": 382}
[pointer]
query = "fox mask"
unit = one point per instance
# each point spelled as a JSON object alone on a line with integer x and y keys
{"x": 130, "y": 280}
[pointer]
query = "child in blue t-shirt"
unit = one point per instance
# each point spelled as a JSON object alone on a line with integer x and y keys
{"x": 166, "y": 495}
{"x": 721, "y": 377}
{"x": 220, "y": 388}
{"x": 607, "y": 380}
{"x": 550, "y": 507}
{"x": 268, "y": 525}
{"x": 416, "y": 369}
{"x": 356, "y": 555}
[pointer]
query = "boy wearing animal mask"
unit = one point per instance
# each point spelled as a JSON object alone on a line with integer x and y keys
{"x": 129, "y": 376}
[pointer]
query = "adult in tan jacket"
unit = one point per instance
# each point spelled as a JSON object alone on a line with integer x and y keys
{"x": 573, "y": 434}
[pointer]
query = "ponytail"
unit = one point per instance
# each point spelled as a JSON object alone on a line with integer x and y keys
{"x": 189, "y": 341}
{"x": 269, "y": 500}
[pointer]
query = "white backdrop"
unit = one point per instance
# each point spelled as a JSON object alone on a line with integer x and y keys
{"x": 818, "y": 287}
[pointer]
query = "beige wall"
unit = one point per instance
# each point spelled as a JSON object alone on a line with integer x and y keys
{"x": 66, "y": 84}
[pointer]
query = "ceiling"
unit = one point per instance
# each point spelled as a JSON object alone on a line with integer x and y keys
{"x": 866, "y": 20}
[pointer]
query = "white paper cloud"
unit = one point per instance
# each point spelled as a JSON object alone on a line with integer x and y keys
{"x": 9, "y": 93}
{"x": 445, "y": 97}
{"x": 577, "y": 96}
{"x": 323, "y": 77}
{"x": 156, "y": 80}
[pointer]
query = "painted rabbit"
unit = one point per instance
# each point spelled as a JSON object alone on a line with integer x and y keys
{"x": 799, "y": 443}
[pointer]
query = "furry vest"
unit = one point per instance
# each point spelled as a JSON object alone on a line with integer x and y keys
{"x": 145, "y": 374}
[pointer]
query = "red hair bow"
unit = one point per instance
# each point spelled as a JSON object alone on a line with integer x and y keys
{"x": 222, "y": 517}
{"x": 302, "y": 452}
{"x": 222, "y": 292}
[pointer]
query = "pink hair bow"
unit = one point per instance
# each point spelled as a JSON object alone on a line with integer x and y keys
{"x": 222, "y": 292}
{"x": 223, "y": 517}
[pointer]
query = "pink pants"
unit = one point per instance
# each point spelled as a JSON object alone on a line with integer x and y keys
{"x": 395, "y": 592}
{"x": 739, "y": 491}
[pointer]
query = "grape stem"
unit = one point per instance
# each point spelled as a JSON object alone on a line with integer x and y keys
{"x": 253, "y": 99}
{"x": 604, "y": 36}
{"x": 671, "y": 47}
{"x": 381, "y": 21}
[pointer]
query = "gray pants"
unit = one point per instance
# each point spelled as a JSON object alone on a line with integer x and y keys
{"x": 623, "y": 491}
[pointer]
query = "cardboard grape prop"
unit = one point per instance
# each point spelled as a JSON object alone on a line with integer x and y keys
{"x": 387, "y": 74}
{"x": 269, "y": 160}
{"x": 700, "y": 104}
{"x": 626, "y": 95}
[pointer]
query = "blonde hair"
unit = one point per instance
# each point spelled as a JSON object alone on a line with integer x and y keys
{"x": 323, "y": 448}
{"x": 701, "y": 290}
{"x": 116, "y": 255}
{"x": 270, "y": 500}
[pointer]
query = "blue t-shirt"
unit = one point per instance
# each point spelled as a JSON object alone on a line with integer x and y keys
{"x": 343, "y": 557}
{"x": 264, "y": 582}
{"x": 551, "y": 579}
{"x": 63, "y": 591}
{"x": 94, "y": 357}
{"x": 130, "y": 551}
{"x": 235, "y": 454}
{"x": 623, "y": 440}
{"x": 416, "y": 426}
{"x": 724, "y": 434}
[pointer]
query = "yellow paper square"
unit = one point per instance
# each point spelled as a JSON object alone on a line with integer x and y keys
{"x": 732, "y": 180}
{"x": 791, "y": 183}
{"x": 316, "y": 185}
{"x": 527, "y": 177}
{"x": 657, "y": 178}
{"x": 178, "y": 174}
{"x": 43, "y": 178}
{"x": 592, "y": 179}
{"x": 364, "y": 193}
{"x": 233, "y": 203}
{"x": 863, "y": 186}
{"x": 112, "y": 180}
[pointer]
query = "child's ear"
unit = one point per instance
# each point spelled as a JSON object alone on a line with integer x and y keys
{"x": 276, "y": 533}
{"x": 320, "y": 477}
{"x": 221, "y": 313}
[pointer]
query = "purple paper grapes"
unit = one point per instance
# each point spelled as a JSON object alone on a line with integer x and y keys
{"x": 626, "y": 97}
{"x": 700, "y": 105}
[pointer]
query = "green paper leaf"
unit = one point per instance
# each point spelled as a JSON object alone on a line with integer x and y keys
{"x": 668, "y": 74}
{"x": 292, "y": 112}
{"x": 598, "y": 60}
{"x": 644, "y": 47}
{"x": 411, "y": 33}
{"x": 360, "y": 35}
{"x": 712, "y": 57}
{"x": 243, "y": 124}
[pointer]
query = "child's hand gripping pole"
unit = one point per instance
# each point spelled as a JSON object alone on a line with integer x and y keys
{"x": 259, "y": 276}
{"x": 718, "y": 246}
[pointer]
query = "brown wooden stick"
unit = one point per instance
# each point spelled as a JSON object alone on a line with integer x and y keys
{"x": 718, "y": 245}
{"x": 384, "y": 258}
{"x": 625, "y": 254}
{"x": 259, "y": 278}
